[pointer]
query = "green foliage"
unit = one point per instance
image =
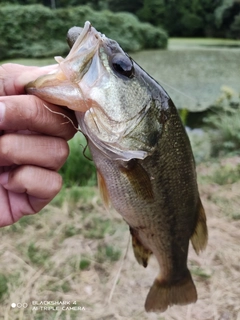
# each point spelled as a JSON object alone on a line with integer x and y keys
{"x": 23, "y": 32}
{"x": 201, "y": 144}
{"x": 227, "y": 19}
{"x": 37, "y": 31}
{"x": 187, "y": 18}
{"x": 226, "y": 174}
{"x": 225, "y": 120}
{"x": 123, "y": 27}
{"x": 235, "y": 27}
{"x": 180, "y": 18}
{"x": 124, "y": 5}
{"x": 216, "y": 18}
{"x": 184, "y": 115}
{"x": 3, "y": 285}
{"x": 79, "y": 169}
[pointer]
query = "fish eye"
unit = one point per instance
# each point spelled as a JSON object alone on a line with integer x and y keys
{"x": 123, "y": 65}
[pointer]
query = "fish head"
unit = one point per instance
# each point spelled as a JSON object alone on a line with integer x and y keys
{"x": 111, "y": 95}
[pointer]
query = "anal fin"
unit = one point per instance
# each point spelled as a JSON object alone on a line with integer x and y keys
{"x": 141, "y": 253}
{"x": 199, "y": 237}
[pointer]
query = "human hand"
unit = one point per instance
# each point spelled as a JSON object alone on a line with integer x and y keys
{"x": 33, "y": 145}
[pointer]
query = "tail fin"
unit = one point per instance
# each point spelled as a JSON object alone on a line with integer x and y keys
{"x": 163, "y": 295}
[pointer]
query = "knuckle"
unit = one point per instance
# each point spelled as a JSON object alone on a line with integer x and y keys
{"x": 56, "y": 184}
{"x": 62, "y": 152}
{"x": 35, "y": 112}
{"x": 5, "y": 146}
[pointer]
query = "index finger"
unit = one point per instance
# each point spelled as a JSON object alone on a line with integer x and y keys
{"x": 28, "y": 112}
{"x": 13, "y": 77}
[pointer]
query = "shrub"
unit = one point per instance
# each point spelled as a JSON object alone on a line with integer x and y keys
{"x": 26, "y": 32}
{"x": 235, "y": 27}
{"x": 225, "y": 122}
{"x": 37, "y": 31}
{"x": 201, "y": 144}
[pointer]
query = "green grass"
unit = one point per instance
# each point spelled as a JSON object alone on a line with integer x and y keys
{"x": 221, "y": 173}
{"x": 107, "y": 253}
{"x": 3, "y": 286}
{"x": 84, "y": 264}
{"x": 37, "y": 255}
{"x": 97, "y": 228}
{"x": 226, "y": 174}
{"x": 196, "y": 43}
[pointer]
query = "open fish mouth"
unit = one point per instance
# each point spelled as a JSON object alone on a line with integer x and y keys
{"x": 62, "y": 87}
{"x": 80, "y": 57}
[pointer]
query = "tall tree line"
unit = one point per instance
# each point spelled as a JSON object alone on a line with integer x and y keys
{"x": 219, "y": 18}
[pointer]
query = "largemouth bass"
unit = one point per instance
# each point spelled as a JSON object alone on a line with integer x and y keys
{"x": 142, "y": 154}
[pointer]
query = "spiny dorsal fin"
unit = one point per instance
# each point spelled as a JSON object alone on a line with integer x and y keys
{"x": 140, "y": 252}
{"x": 103, "y": 190}
{"x": 199, "y": 238}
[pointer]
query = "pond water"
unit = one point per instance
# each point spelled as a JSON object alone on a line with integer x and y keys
{"x": 193, "y": 77}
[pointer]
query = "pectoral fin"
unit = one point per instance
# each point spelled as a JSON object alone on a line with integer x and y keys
{"x": 140, "y": 252}
{"x": 103, "y": 189}
{"x": 139, "y": 179}
{"x": 200, "y": 236}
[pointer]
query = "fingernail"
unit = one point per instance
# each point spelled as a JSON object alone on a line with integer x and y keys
{"x": 2, "y": 111}
{"x": 4, "y": 178}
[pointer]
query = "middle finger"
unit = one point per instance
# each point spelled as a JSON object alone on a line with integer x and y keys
{"x": 44, "y": 151}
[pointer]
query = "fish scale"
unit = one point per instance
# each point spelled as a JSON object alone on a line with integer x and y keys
{"x": 142, "y": 153}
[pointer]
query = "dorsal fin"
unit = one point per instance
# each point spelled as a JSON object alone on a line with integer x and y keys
{"x": 199, "y": 238}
